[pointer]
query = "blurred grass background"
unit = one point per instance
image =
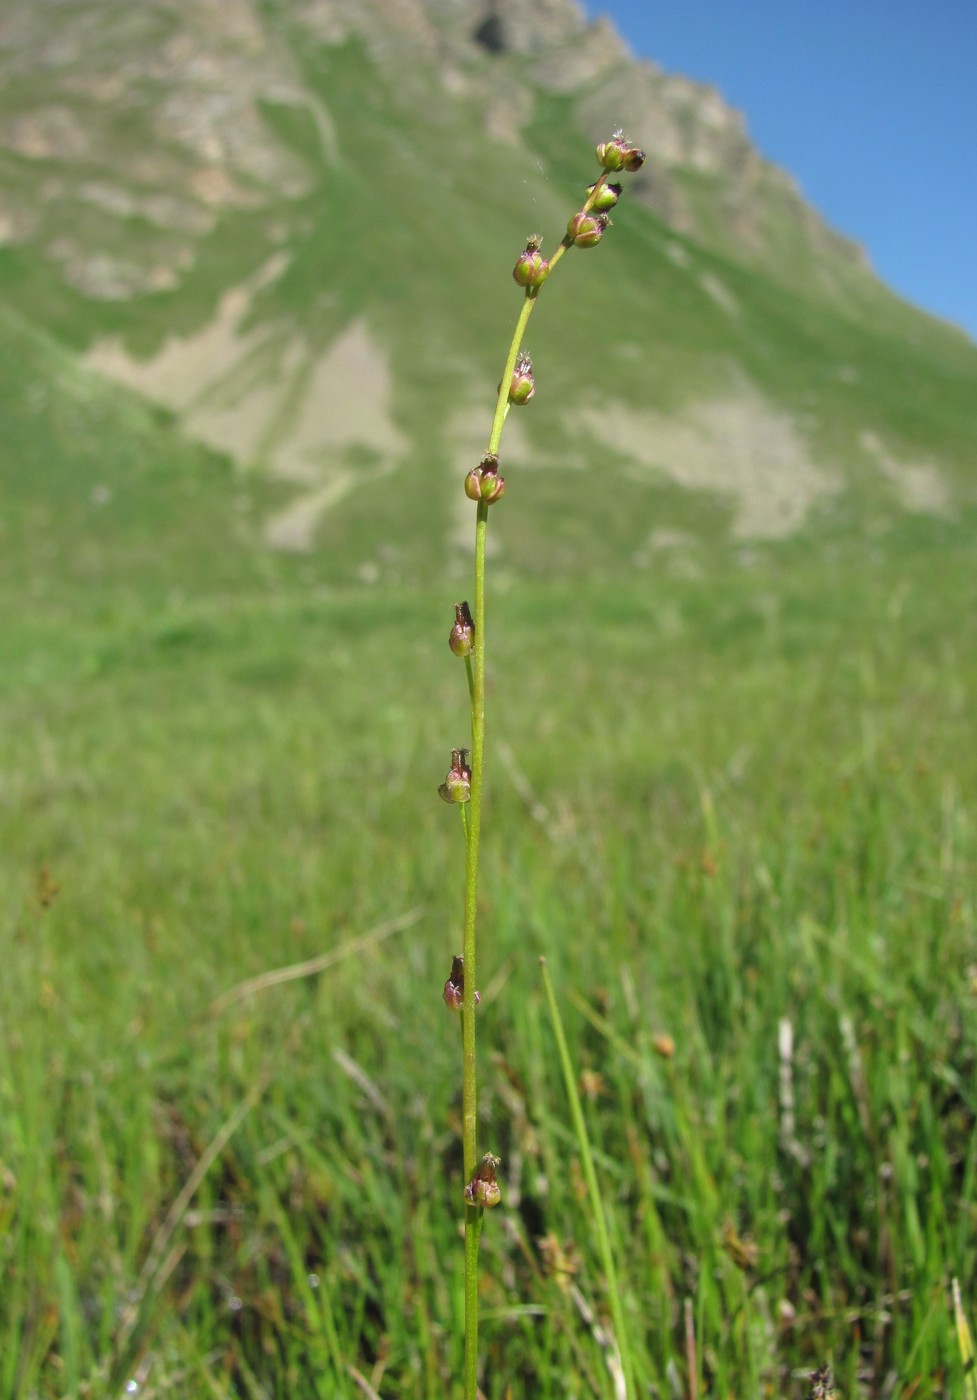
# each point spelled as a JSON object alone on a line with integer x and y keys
{"x": 714, "y": 807}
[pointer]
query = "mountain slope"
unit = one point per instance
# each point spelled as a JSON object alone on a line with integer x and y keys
{"x": 292, "y": 224}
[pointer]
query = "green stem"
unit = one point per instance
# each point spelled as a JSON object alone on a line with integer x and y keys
{"x": 476, "y": 685}
{"x": 473, "y": 1216}
{"x": 529, "y": 301}
{"x": 474, "y": 813}
{"x": 473, "y": 826}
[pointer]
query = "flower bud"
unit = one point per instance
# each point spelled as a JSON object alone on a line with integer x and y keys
{"x": 454, "y": 989}
{"x": 484, "y": 1189}
{"x": 619, "y": 154}
{"x": 523, "y": 385}
{"x": 586, "y": 230}
{"x": 483, "y": 483}
{"x": 607, "y": 197}
{"x": 462, "y": 638}
{"x": 611, "y": 153}
{"x": 457, "y": 786}
{"x": 531, "y": 269}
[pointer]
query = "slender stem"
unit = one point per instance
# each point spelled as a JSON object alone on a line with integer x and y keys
{"x": 474, "y": 806}
{"x": 473, "y": 825}
{"x": 529, "y": 301}
{"x": 476, "y": 683}
{"x": 473, "y": 1215}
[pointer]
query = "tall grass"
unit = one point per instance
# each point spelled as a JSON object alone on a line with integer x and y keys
{"x": 773, "y": 822}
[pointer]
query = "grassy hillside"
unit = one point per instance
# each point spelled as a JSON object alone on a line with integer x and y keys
{"x": 680, "y": 385}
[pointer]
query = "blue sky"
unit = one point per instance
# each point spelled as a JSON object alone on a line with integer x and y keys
{"x": 870, "y": 104}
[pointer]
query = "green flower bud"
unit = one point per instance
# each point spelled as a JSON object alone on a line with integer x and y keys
{"x": 531, "y": 269}
{"x": 523, "y": 385}
{"x": 606, "y": 198}
{"x": 619, "y": 154}
{"x": 586, "y": 230}
{"x": 611, "y": 153}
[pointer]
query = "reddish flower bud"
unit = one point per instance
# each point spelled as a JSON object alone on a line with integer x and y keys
{"x": 586, "y": 230}
{"x": 606, "y": 198}
{"x": 454, "y": 988}
{"x": 523, "y": 385}
{"x": 531, "y": 269}
{"x": 484, "y": 1189}
{"x": 457, "y": 786}
{"x": 483, "y": 483}
{"x": 462, "y": 637}
{"x": 451, "y": 996}
{"x": 634, "y": 159}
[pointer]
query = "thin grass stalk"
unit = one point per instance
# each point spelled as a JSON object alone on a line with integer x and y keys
{"x": 965, "y": 1341}
{"x": 593, "y": 1186}
{"x": 161, "y": 1258}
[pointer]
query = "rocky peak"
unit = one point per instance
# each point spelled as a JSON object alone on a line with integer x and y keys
{"x": 190, "y": 80}
{"x": 512, "y": 26}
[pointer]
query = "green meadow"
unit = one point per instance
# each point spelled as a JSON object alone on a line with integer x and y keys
{"x": 736, "y": 815}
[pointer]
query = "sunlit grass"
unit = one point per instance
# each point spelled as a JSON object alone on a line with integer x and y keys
{"x": 758, "y": 809}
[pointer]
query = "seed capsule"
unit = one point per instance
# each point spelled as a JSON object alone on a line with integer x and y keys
{"x": 462, "y": 637}
{"x": 457, "y": 786}
{"x": 484, "y": 1189}
{"x": 483, "y": 483}
{"x": 606, "y": 199}
{"x": 586, "y": 230}
{"x": 619, "y": 154}
{"x": 531, "y": 269}
{"x": 523, "y": 385}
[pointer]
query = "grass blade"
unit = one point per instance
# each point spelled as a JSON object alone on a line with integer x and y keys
{"x": 965, "y": 1342}
{"x": 593, "y": 1186}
